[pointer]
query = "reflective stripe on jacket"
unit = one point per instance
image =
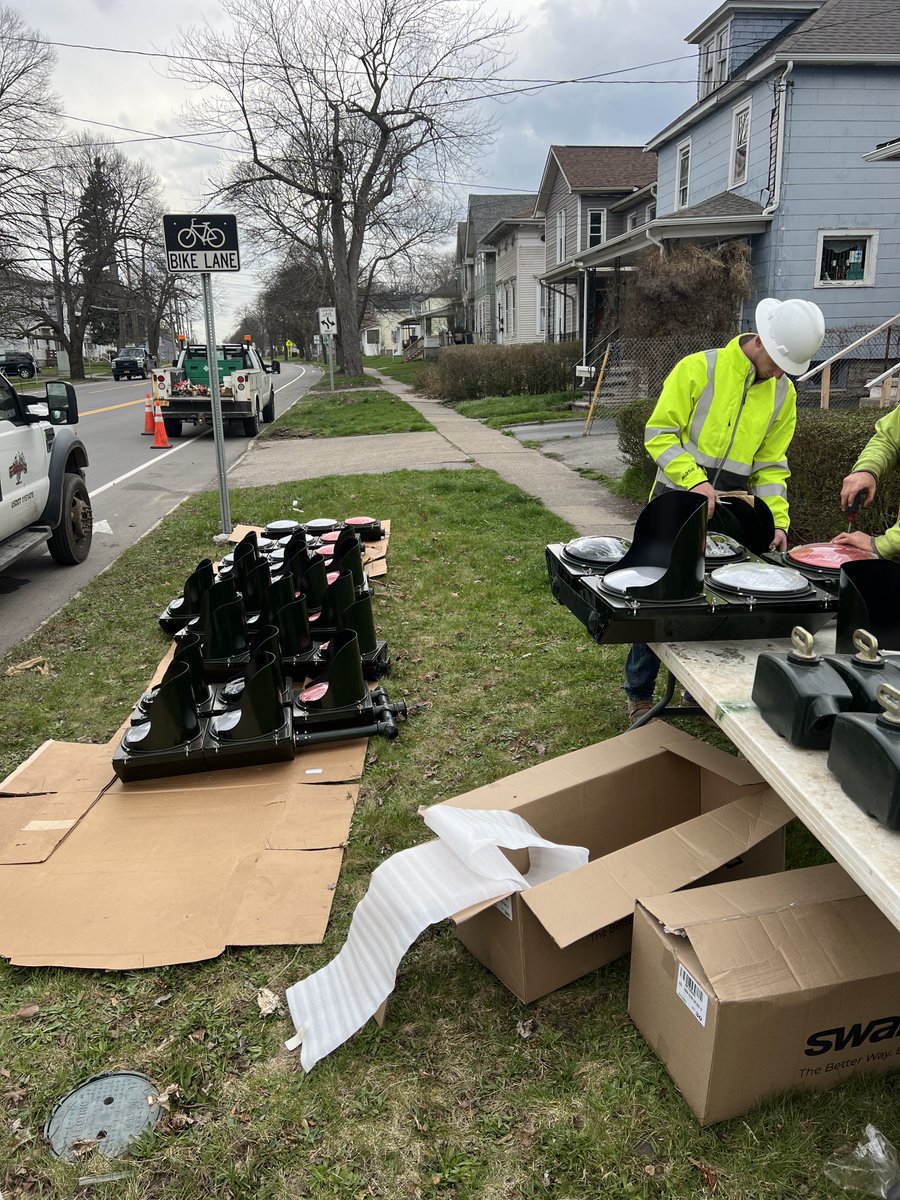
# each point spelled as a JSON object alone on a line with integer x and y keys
{"x": 882, "y": 452}
{"x": 713, "y": 417}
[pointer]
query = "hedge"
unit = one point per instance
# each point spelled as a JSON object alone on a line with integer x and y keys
{"x": 470, "y": 372}
{"x": 824, "y": 448}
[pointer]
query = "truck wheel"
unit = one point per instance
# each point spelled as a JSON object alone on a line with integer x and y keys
{"x": 71, "y": 540}
{"x": 143, "y": 374}
{"x": 117, "y": 378}
{"x": 268, "y": 413}
{"x": 173, "y": 426}
{"x": 251, "y": 426}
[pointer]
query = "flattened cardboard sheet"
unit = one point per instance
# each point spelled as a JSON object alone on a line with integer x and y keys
{"x": 171, "y": 870}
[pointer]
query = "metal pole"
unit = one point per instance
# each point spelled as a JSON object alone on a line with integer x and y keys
{"x": 215, "y": 400}
{"x": 330, "y": 352}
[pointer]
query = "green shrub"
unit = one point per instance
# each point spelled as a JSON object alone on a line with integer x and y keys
{"x": 630, "y": 421}
{"x": 470, "y": 372}
{"x": 825, "y": 447}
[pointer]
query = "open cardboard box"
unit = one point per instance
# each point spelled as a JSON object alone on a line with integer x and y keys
{"x": 657, "y": 809}
{"x": 748, "y": 989}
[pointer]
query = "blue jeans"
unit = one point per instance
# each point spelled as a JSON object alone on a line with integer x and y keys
{"x": 641, "y": 669}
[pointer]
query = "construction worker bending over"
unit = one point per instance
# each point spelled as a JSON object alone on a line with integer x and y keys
{"x": 723, "y": 423}
{"x": 882, "y": 452}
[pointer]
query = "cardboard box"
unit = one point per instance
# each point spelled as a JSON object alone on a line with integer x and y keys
{"x": 657, "y": 810}
{"x": 747, "y": 989}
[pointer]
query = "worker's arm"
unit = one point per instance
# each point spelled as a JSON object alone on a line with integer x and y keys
{"x": 670, "y": 420}
{"x": 882, "y": 450}
{"x": 770, "y": 472}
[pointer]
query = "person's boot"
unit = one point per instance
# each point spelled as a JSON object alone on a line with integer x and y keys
{"x": 637, "y": 708}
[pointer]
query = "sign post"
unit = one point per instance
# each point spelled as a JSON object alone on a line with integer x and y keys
{"x": 200, "y": 244}
{"x": 327, "y": 327}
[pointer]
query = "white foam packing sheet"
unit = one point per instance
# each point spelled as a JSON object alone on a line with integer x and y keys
{"x": 408, "y": 892}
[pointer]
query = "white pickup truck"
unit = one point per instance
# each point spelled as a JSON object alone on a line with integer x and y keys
{"x": 245, "y": 385}
{"x": 43, "y": 496}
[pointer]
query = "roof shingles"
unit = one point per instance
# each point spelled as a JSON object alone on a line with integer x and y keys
{"x": 588, "y": 167}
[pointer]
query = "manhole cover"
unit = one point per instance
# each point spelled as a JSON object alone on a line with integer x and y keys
{"x": 110, "y": 1109}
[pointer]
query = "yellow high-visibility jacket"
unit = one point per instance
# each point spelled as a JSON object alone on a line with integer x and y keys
{"x": 881, "y": 454}
{"x": 713, "y": 422}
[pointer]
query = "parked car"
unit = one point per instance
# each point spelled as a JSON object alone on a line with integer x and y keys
{"x": 18, "y": 362}
{"x": 132, "y": 361}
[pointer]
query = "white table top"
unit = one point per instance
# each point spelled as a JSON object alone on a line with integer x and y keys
{"x": 719, "y": 675}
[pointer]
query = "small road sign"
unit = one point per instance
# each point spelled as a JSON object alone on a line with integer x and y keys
{"x": 201, "y": 242}
{"x": 327, "y": 320}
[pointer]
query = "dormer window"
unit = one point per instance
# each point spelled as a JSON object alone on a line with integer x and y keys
{"x": 714, "y": 60}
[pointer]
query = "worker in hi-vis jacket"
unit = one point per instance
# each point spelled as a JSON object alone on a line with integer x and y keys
{"x": 723, "y": 423}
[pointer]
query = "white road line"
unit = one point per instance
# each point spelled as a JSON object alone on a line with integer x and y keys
{"x": 150, "y": 463}
{"x": 159, "y": 457}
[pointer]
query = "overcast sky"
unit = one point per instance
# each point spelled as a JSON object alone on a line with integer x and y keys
{"x": 560, "y": 39}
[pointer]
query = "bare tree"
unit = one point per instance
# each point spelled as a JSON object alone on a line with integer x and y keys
{"x": 351, "y": 116}
{"x": 93, "y": 197}
{"x": 28, "y": 116}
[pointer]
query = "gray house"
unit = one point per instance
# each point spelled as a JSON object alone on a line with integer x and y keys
{"x": 791, "y": 94}
{"x": 476, "y": 260}
{"x": 588, "y": 196}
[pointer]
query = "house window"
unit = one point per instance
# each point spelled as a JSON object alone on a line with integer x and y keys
{"x": 707, "y": 66}
{"x": 846, "y": 257}
{"x": 720, "y": 72}
{"x": 541, "y": 308}
{"x": 740, "y": 144}
{"x": 632, "y": 221}
{"x": 373, "y": 337}
{"x": 512, "y": 309}
{"x": 682, "y": 174}
{"x": 596, "y": 226}
{"x": 561, "y": 236}
{"x": 651, "y": 213}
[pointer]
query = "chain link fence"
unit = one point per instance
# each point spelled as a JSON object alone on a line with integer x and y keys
{"x": 637, "y": 367}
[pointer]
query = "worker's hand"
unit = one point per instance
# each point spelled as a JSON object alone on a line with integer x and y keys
{"x": 779, "y": 541}
{"x": 706, "y": 489}
{"x": 858, "y": 482}
{"x": 861, "y": 541}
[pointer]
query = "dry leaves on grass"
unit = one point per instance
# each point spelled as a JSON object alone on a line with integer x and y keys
{"x": 41, "y": 665}
{"x": 710, "y": 1175}
{"x": 269, "y": 1004}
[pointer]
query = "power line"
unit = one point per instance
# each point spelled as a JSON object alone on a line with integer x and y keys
{"x": 530, "y": 85}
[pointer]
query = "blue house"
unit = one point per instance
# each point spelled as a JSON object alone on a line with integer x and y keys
{"x": 791, "y": 94}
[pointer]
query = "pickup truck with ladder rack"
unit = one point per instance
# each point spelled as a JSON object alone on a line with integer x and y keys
{"x": 245, "y": 387}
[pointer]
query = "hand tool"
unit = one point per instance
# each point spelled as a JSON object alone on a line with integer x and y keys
{"x": 852, "y": 510}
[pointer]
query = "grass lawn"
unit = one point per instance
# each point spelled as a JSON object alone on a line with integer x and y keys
{"x": 341, "y": 380}
{"x": 394, "y": 367}
{"x": 345, "y": 414}
{"x": 449, "y": 1099}
{"x": 92, "y": 370}
{"x": 500, "y": 411}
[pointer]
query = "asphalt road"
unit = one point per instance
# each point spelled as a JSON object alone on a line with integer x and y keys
{"x": 132, "y": 486}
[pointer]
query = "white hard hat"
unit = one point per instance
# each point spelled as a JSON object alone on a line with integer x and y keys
{"x": 791, "y": 331}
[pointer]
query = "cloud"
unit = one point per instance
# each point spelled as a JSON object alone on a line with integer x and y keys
{"x": 559, "y": 39}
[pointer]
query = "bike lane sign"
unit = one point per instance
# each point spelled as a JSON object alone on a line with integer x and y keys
{"x": 198, "y": 242}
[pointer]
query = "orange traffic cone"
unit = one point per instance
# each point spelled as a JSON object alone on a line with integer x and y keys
{"x": 160, "y": 438}
{"x": 148, "y": 416}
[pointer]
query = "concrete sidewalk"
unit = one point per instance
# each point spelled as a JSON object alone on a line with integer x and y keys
{"x": 459, "y": 443}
